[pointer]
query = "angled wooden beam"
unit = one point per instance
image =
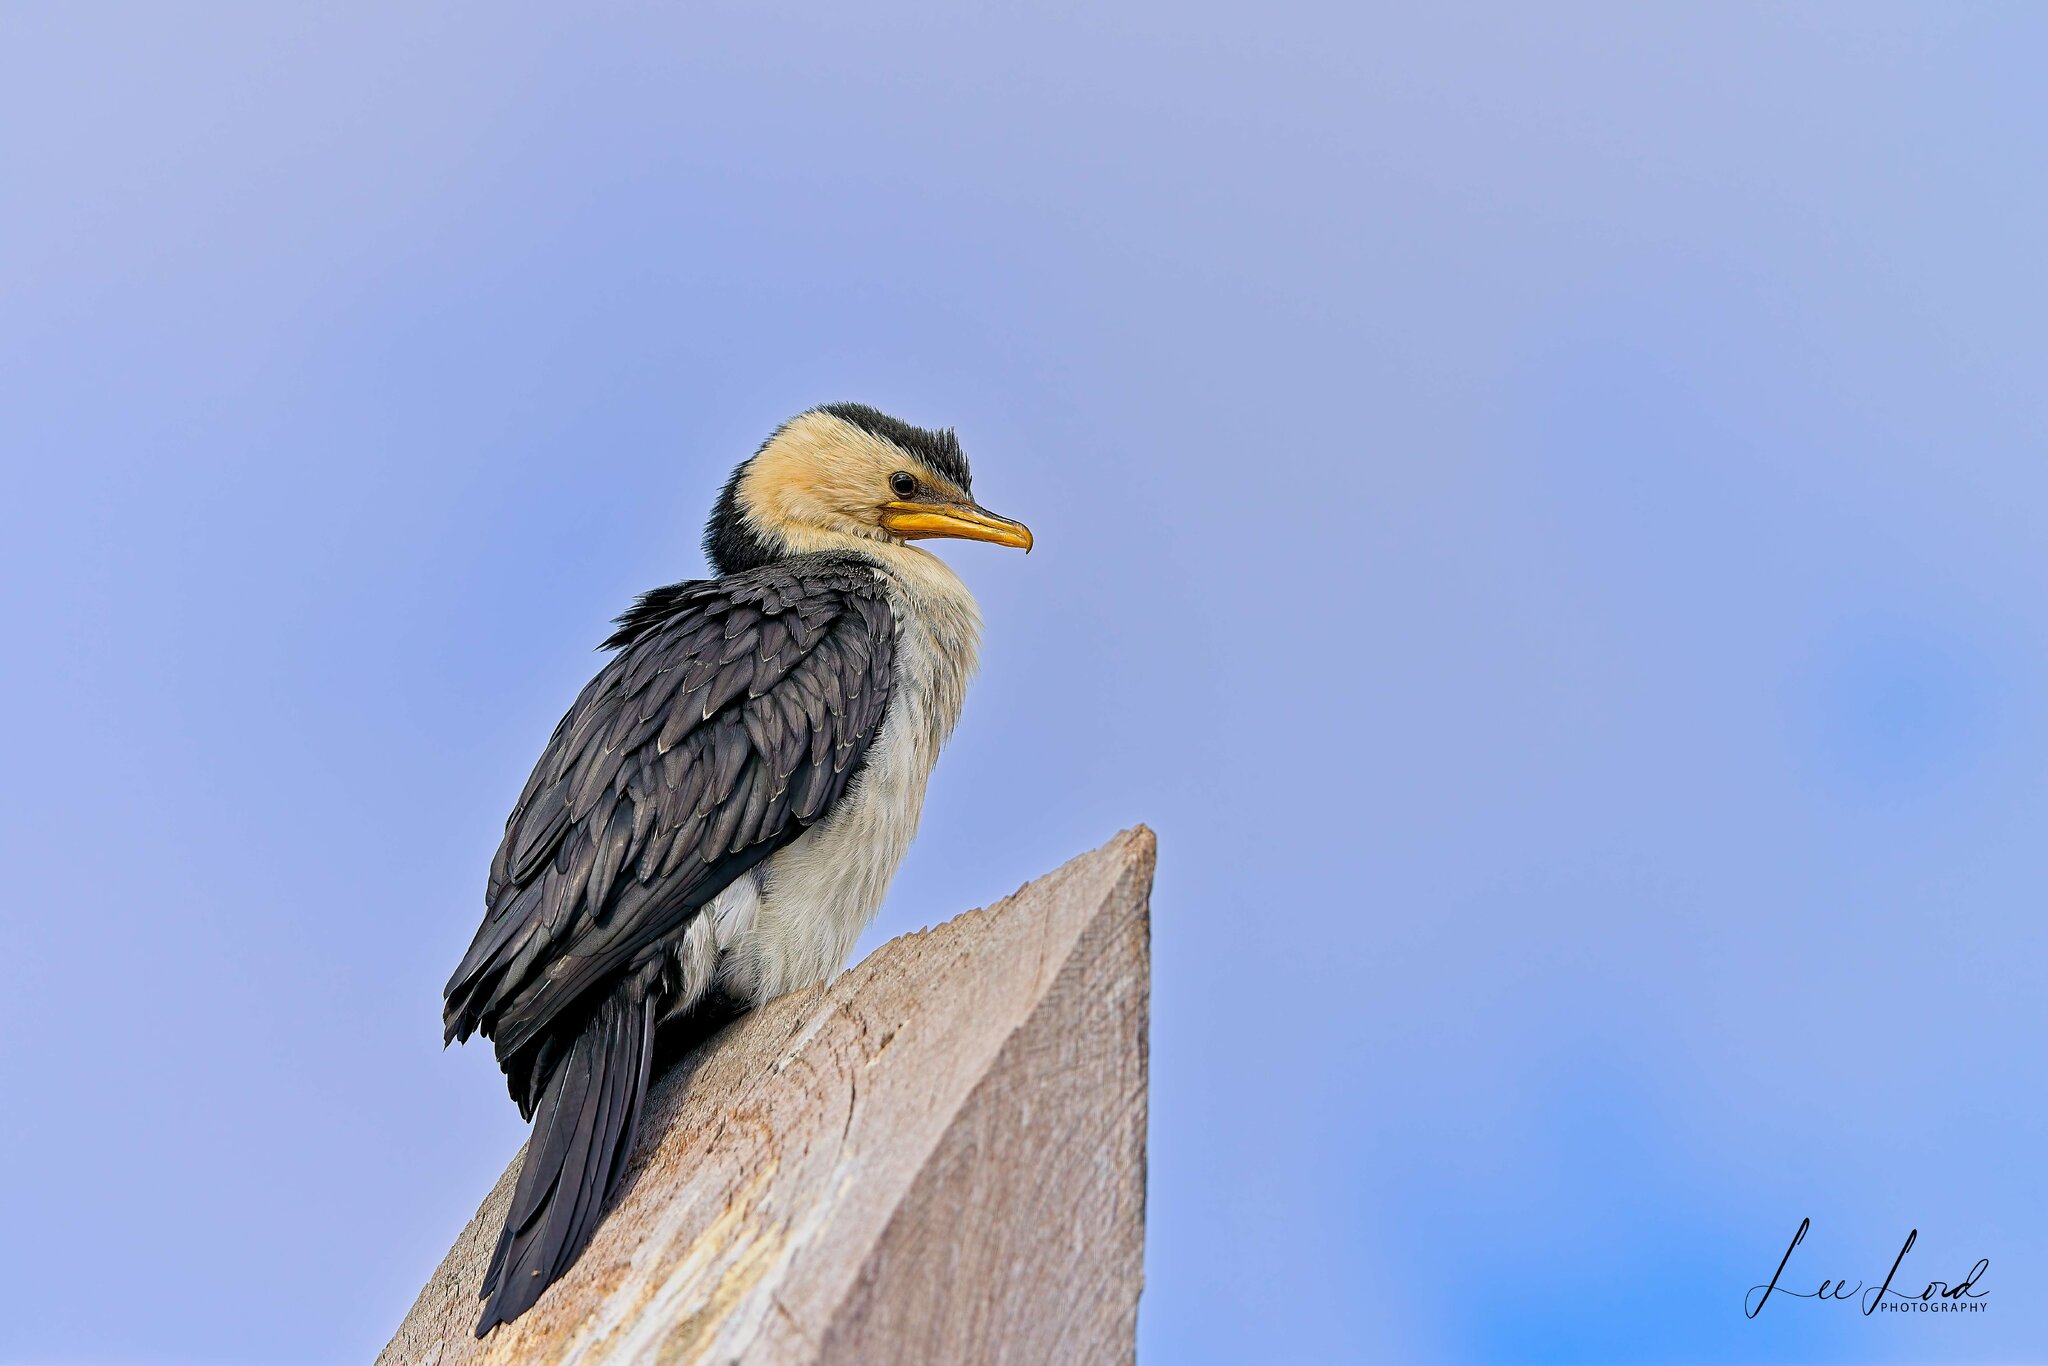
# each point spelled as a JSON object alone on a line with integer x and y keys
{"x": 938, "y": 1158}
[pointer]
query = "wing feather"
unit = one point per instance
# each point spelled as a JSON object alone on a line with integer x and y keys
{"x": 735, "y": 713}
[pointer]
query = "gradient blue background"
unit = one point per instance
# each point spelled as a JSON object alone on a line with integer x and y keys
{"x": 1544, "y": 513}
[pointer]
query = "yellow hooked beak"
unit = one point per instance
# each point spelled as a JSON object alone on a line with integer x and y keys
{"x": 966, "y": 521}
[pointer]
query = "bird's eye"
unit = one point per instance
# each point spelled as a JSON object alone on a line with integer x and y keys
{"x": 902, "y": 484}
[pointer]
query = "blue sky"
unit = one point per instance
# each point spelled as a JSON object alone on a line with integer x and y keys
{"x": 1542, "y": 511}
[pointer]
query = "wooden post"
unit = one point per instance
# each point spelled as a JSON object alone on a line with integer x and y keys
{"x": 938, "y": 1158}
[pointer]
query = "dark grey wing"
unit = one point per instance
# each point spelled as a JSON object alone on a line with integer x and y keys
{"x": 734, "y": 715}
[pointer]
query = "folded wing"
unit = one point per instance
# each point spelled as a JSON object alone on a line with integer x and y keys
{"x": 734, "y": 715}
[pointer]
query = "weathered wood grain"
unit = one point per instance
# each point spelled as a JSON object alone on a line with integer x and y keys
{"x": 938, "y": 1158}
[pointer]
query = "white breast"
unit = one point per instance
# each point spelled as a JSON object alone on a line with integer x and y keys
{"x": 794, "y": 921}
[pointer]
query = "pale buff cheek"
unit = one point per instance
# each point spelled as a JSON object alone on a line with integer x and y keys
{"x": 819, "y": 473}
{"x": 820, "y": 477}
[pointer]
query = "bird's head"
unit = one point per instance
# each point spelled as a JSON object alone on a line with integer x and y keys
{"x": 846, "y": 477}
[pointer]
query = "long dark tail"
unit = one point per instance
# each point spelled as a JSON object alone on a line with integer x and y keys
{"x": 582, "y": 1135}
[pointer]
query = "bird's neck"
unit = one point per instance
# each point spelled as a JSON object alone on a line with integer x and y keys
{"x": 939, "y": 646}
{"x": 939, "y": 620}
{"x": 927, "y": 582}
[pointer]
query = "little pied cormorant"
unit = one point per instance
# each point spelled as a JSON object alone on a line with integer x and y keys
{"x": 720, "y": 812}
